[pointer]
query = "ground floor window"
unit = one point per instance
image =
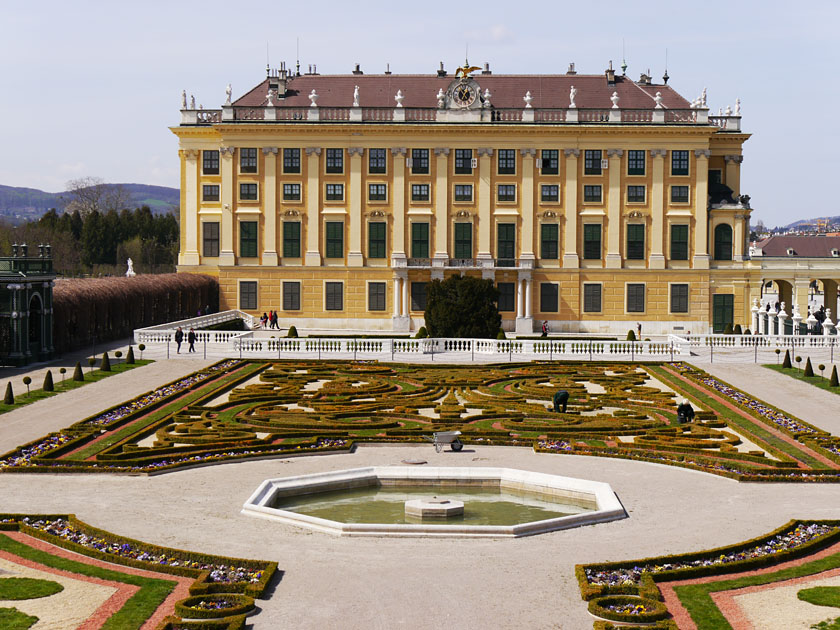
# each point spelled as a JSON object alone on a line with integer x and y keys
{"x": 334, "y": 296}
{"x": 248, "y": 295}
{"x": 507, "y": 296}
{"x": 418, "y": 296}
{"x": 635, "y": 298}
{"x": 291, "y": 296}
{"x": 679, "y": 298}
{"x": 591, "y": 298}
{"x": 376, "y": 296}
{"x": 548, "y": 297}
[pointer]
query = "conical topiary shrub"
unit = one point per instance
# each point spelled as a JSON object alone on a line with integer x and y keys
{"x": 727, "y": 330}
{"x": 9, "y": 398}
{"x": 501, "y": 334}
{"x": 421, "y": 334}
{"x": 78, "y": 375}
{"x": 834, "y": 382}
{"x": 292, "y": 332}
{"x": 631, "y": 335}
{"x": 786, "y": 363}
{"x": 809, "y": 371}
{"x": 737, "y": 330}
{"x": 129, "y": 358}
{"x": 48, "y": 382}
{"x": 106, "y": 363}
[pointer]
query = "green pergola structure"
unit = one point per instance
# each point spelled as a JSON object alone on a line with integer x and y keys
{"x": 26, "y": 306}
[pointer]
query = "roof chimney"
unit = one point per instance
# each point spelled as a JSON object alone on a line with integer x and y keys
{"x": 644, "y": 79}
{"x": 610, "y": 74}
{"x": 441, "y": 72}
{"x": 387, "y": 68}
{"x": 486, "y": 68}
{"x": 357, "y": 69}
{"x": 571, "y": 69}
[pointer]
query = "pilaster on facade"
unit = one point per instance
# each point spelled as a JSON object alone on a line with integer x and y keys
{"x": 527, "y": 205}
{"x": 227, "y": 255}
{"x": 189, "y": 212}
{"x": 613, "y": 258}
{"x": 733, "y": 173}
{"x": 269, "y": 254}
{"x": 570, "y": 204}
{"x": 355, "y": 258}
{"x": 657, "y": 210}
{"x": 701, "y": 212}
{"x": 485, "y": 255}
{"x": 312, "y": 257}
{"x": 441, "y": 207}
{"x": 398, "y": 253}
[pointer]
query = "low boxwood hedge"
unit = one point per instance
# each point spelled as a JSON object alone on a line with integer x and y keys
{"x": 231, "y": 604}
{"x": 630, "y": 609}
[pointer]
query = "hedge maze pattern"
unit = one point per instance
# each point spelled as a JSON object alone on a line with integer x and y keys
{"x": 238, "y": 409}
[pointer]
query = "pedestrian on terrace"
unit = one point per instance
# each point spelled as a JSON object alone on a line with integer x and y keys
{"x": 191, "y": 340}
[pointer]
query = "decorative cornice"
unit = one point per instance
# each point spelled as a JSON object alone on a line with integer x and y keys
{"x": 395, "y": 151}
{"x": 734, "y": 158}
{"x": 311, "y": 150}
{"x": 571, "y": 152}
{"x": 355, "y": 151}
{"x": 267, "y": 150}
{"x": 441, "y": 151}
{"x": 190, "y": 154}
{"x": 463, "y": 214}
{"x": 636, "y": 214}
{"x": 702, "y": 153}
{"x": 484, "y": 152}
{"x": 528, "y": 152}
{"x": 291, "y": 213}
{"x": 376, "y": 213}
{"x": 615, "y": 152}
{"x": 226, "y": 151}
{"x": 657, "y": 153}
{"x": 549, "y": 214}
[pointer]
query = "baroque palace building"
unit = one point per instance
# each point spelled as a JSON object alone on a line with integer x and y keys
{"x": 594, "y": 202}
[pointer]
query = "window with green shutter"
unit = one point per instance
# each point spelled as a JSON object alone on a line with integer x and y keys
{"x": 679, "y": 242}
{"x": 376, "y": 239}
{"x": 635, "y": 241}
{"x": 592, "y": 241}
{"x": 463, "y": 240}
{"x": 291, "y": 239}
{"x": 248, "y": 239}
{"x": 549, "y": 238}
{"x": 419, "y": 240}
{"x": 335, "y": 239}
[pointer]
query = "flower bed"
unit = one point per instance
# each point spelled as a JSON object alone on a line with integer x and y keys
{"x": 628, "y": 608}
{"x": 214, "y": 606}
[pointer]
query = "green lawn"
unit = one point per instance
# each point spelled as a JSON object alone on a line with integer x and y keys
{"x": 799, "y": 374}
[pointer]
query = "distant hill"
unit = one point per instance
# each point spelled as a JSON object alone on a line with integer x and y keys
{"x": 25, "y": 204}
{"x": 803, "y": 222}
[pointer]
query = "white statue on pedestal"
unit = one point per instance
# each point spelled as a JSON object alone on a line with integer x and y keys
{"x": 356, "y": 96}
{"x": 270, "y": 98}
{"x": 737, "y": 106}
{"x": 487, "y": 95}
{"x": 313, "y": 98}
{"x": 192, "y": 101}
{"x": 658, "y": 100}
{"x": 528, "y": 98}
{"x": 703, "y": 98}
{"x": 572, "y": 95}
{"x": 228, "y": 93}
{"x": 130, "y": 271}
{"x": 615, "y": 98}
{"x": 441, "y": 98}
{"x": 399, "y": 98}
{"x": 184, "y": 99}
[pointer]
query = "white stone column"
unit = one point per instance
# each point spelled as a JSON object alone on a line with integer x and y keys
{"x": 755, "y": 315}
{"x": 657, "y": 210}
{"x": 772, "y": 320}
{"x": 528, "y": 298}
{"x": 406, "y": 311}
{"x": 570, "y": 209}
{"x": 226, "y": 252}
{"x": 189, "y": 209}
{"x": 397, "y": 296}
{"x": 520, "y": 298}
{"x": 701, "y": 214}
{"x": 269, "y": 255}
{"x": 783, "y": 317}
{"x": 441, "y": 208}
{"x": 613, "y": 259}
{"x": 485, "y": 218}
{"x": 313, "y": 206}
{"x": 796, "y": 319}
{"x": 398, "y": 201}
{"x": 828, "y": 325}
{"x": 526, "y": 241}
{"x": 356, "y": 196}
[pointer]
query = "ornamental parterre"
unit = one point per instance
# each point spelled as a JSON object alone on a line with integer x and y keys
{"x": 785, "y": 541}
{"x": 60, "y": 528}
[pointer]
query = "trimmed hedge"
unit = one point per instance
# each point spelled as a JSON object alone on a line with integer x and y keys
{"x": 653, "y": 610}
{"x": 242, "y": 605}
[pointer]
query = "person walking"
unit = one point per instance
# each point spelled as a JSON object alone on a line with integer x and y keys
{"x": 191, "y": 340}
{"x": 639, "y": 328}
{"x": 179, "y": 337}
{"x": 545, "y": 328}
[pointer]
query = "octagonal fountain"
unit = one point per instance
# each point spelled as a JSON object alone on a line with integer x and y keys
{"x": 434, "y": 501}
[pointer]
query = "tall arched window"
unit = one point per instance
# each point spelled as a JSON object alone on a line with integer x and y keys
{"x": 723, "y": 242}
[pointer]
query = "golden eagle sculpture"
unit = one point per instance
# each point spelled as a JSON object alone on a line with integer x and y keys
{"x": 465, "y": 70}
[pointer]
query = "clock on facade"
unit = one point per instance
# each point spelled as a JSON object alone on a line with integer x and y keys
{"x": 464, "y": 94}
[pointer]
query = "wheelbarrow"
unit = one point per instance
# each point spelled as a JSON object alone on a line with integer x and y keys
{"x": 442, "y": 438}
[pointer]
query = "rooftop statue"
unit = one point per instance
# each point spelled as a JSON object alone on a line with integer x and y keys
{"x": 572, "y": 95}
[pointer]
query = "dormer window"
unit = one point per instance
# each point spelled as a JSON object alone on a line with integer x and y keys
{"x": 790, "y": 251}
{"x": 835, "y": 252}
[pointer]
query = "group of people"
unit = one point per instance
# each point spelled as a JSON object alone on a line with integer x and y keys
{"x": 269, "y": 318}
{"x": 179, "y": 339}
{"x": 685, "y": 412}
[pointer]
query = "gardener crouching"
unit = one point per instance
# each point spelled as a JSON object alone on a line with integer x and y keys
{"x": 685, "y": 412}
{"x": 561, "y": 399}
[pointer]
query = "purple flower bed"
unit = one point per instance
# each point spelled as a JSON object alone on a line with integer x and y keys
{"x": 781, "y": 542}
{"x": 23, "y": 457}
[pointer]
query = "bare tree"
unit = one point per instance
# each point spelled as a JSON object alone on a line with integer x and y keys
{"x": 92, "y": 193}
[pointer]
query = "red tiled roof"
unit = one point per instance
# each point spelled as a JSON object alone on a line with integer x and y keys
{"x": 803, "y": 246}
{"x": 506, "y": 91}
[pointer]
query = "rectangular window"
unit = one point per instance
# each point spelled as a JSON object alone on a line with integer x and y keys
{"x": 507, "y": 192}
{"x": 463, "y": 241}
{"x": 335, "y": 239}
{"x": 376, "y": 239}
{"x": 377, "y": 192}
{"x": 248, "y": 239}
{"x": 635, "y": 241}
{"x": 591, "y": 298}
{"x": 635, "y": 194}
{"x": 420, "y": 161}
{"x": 418, "y": 296}
{"x": 592, "y": 162}
{"x": 679, "y": 242}
{"x": 635, "y": 298}
{"x": 679, "y": 194}
{"x": 550, "y": 161}
{"x": 592, "y": 241}
{"x": 210, "y": 236}
{"x": 248, "y": 192}
{"x": 335, "y": 192}
{"x": 506, "y": 244}
{"x": 291, "y": 160}
{"x": 248, "y": 295}
{"x": 376, "y": 296}
{"x": 247, "y": 160}
{"x": 679, "y": 162}
{"x": 335, "y": 160}
{"x": 548, "y": 297}
{"x": 334, "y": 296}
{"x": 463, "y": 162}
{"x": 507, "y": 161}
{"x": 291, "y": 239}
{"x": 291, "y": 192}
{"x": 635, "y": 162}
{"x": 550, "y": 192}
{"x": 463, "y": 192}
{"x": 419, "y": 240}
{"x": 210, "y": 192}
{"x": 291, "y": 296}
{"x": 210, "y": 162}
{"x": 507, "y": 297}
{"x": 679, "y": 298}
{"x": 377, "y": 160}
{"x": 549, "y": 239}
{"x": 420, "y": 192}
{"x": 592, "y": 193}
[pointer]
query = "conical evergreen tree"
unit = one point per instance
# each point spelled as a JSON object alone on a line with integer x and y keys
{"x": 834, "y": 382}
{"x": 78, "y": 375}
{"x": 129, "y": 358}
{"x": 809, "y": 371}
{"x": 48, "y": 382}
{"x": 9, "y": 398}
{"x": 106, "y": 363}
{"x": 786, "y": 363}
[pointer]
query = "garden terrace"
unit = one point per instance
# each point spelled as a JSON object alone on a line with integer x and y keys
{"x": 248, "y": 409}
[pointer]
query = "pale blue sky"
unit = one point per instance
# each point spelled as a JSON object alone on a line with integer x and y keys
{"x": 90, "y": 88}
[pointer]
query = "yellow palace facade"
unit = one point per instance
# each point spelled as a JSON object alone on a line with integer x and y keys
{"x": 593, "y": 202}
